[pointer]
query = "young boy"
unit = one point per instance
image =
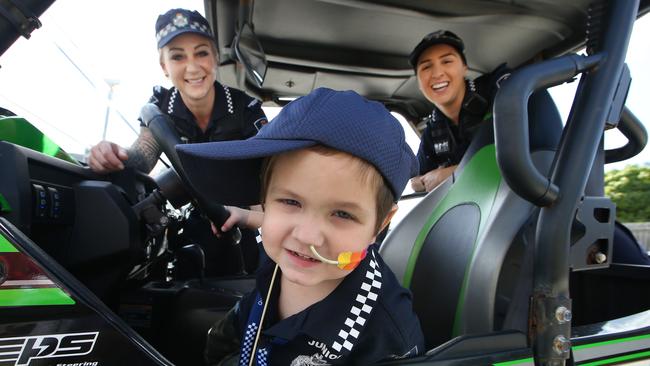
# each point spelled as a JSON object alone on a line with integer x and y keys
{"x": 335, "y": 165}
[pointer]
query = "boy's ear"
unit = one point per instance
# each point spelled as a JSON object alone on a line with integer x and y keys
{"x": 389, "y": 216}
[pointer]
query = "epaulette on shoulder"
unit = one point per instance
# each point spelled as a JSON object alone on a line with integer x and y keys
{"x": 254, "y": 103}
{"x": 499, "y": 74}
{"x": 159, "y": 89}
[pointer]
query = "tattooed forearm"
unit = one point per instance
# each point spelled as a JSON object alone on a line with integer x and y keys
{"x": 144, "y": 152}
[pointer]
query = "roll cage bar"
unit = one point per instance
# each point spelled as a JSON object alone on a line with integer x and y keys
{"x": 598, "y": 102}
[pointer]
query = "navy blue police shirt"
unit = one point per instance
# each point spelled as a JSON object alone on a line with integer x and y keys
{"x": 443, "y": 142}
{"x": 235, "y": 116}
{"x": 369, "y": 317}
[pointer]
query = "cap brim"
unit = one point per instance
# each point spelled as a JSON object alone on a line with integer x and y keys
{"x": 422, "y": 46}
{"x": 228, "y": 172}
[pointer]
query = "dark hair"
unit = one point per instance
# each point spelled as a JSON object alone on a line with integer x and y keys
{"x": 368, "y": 172}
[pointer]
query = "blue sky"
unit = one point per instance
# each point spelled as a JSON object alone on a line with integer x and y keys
{"x": 70, "y": 108}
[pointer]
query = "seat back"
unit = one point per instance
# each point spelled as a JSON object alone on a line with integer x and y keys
{"x": 450, "y": 248}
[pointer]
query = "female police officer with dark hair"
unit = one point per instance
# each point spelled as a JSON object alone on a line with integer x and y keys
{"x": 461, "y": 105}
{"x": 202, "y": 109}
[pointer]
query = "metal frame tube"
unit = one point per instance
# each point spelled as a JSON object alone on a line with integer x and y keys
{"x": 573, "y": 163}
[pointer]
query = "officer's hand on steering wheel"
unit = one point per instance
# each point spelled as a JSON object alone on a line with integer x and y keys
{"x": 106, "y": 157}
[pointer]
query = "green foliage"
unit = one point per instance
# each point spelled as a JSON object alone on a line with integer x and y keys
{"x": 630, "y": 190}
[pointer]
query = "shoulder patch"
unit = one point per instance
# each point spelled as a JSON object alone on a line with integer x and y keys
{"x": 159, "y": 90}
{"x": 260, "y": 123}
{"x": 501, "y": 79}
{"x": 159, "y": 93}
{"x": 410, "y": 353}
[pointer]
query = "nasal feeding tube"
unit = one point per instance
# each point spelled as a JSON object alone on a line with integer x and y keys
{"x": 345, "y": 260}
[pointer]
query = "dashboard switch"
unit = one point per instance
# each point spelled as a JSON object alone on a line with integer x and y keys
{"x": 40, "y": 201}
{"x": 55, "y": 202}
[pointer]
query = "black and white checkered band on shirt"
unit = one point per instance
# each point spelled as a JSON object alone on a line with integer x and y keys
{"x": 249, "y": 339}
{"x": 365, "y": 300}
{"x": 172, "y": 101}
{"x": 245, "y": 354}
{"x": 251, "y": 333}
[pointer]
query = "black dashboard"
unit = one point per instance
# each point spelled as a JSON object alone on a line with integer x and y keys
{"x": 83, "y": 220}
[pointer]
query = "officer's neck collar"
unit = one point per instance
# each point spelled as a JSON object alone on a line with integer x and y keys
{"x": 473, "y": 104}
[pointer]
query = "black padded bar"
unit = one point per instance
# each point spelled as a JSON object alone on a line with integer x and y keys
{"x": 511, "y": 124}
{"x": 636, "y": 134}
{"x": 574, "y": 160}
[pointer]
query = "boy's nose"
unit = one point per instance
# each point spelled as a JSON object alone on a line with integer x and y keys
{"x": 308, "y": 232}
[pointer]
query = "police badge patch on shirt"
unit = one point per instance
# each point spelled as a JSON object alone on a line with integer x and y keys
{"x": 309, "y": 361}
{"x": 441, "y": 147}
{"x": 321, "y": 358}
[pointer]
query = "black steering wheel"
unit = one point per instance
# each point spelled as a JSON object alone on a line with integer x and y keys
{"x": 162, "y": 128}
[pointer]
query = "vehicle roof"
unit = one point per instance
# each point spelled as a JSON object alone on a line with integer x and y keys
{"x": 364, "y": 45}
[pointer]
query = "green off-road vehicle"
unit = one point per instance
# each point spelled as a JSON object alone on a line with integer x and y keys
{"x": 510, "y": 263}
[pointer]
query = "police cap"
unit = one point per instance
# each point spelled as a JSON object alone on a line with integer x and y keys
{"x": 438, "y": 37}
{"x": 178, "y": 21}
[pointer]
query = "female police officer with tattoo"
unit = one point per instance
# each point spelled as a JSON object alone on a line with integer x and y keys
{"x": 201, "y": 108}
{"x": 461, "y": 105}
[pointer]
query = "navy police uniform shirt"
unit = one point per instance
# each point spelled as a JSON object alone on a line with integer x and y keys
{"x": 235, "y": 116}
{"x": 443, "y": 142}
{"x": 367, "y": 318}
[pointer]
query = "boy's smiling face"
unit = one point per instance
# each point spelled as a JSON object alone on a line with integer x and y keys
{"x": 317, "y": 199}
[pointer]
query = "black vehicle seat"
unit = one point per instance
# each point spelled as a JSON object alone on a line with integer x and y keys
{"x": 450, "y": 249}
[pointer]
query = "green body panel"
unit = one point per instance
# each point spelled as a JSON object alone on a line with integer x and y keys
{"x": 613, "y": 341}
{"x": 5, "y": 246}
{"x": 4, "y": 205}
{"x": 525, "y": 361}
{"x": 618, "y": 360}
{"x": 20, "y": 132}
{"x": 481, "y": 171}
{"x": 30, "y": 296}
{"x": 637, "y": 344}
{"x": 34, "y": 297}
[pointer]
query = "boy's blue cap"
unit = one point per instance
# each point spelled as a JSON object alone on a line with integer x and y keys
{"x": 342, "y": 120}
{"x": 178, "y": 21}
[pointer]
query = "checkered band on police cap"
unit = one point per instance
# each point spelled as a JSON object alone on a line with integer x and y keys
{"x": 342, "y": 120}
{"x": 178, "y": 21}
